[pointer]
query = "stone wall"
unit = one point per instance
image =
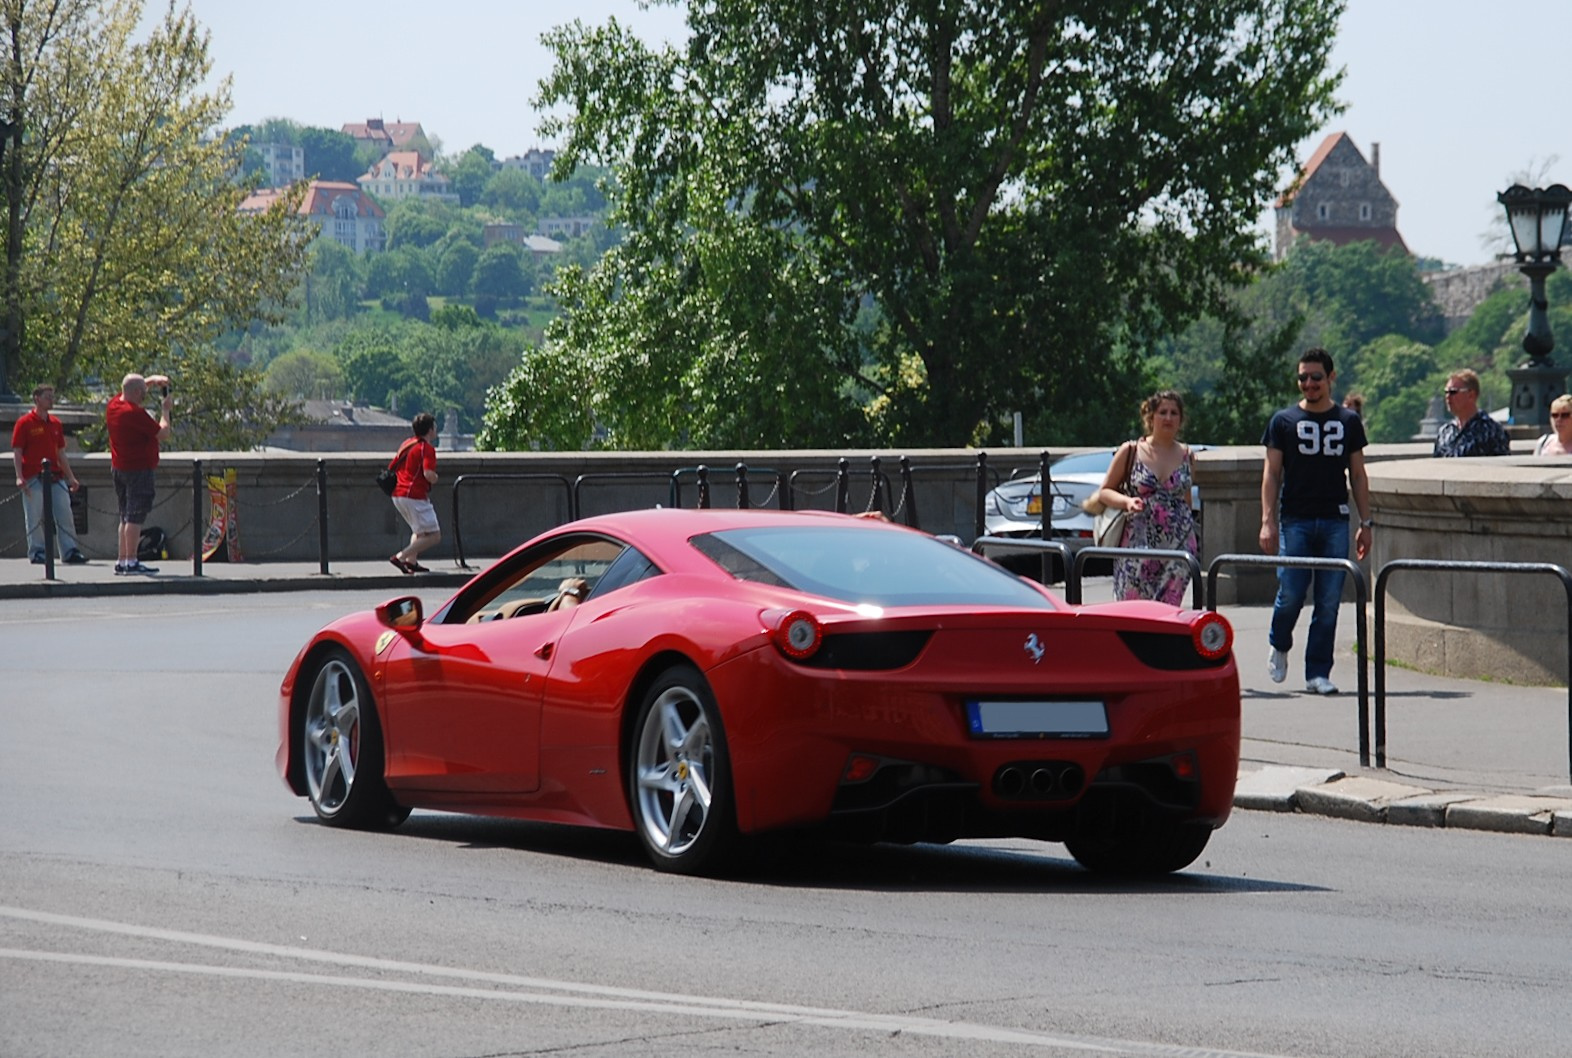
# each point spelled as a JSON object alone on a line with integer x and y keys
{"x": 1508, "y": 626}
{"x": 1513, "y": 509}
{"x": 1459, "y": 291}
{"x": 278, "y": 505}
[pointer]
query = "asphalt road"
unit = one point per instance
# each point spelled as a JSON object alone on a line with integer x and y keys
{"x": 161, "y": 893}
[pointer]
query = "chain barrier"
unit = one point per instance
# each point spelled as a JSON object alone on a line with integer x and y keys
{"x": 311, "y": 483}
{"x": 798, "y": 490}
{"x": 906, "y": 489}
{"x": 238, "y": 508}
{"x": 774, "y": 489}
{"x": 253, "y": 553}
{"x": 27, "y": 527}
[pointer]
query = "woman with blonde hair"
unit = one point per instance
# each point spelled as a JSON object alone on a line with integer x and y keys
{"x": 1559, "y": 441}
{"x": 1150, "y": 478}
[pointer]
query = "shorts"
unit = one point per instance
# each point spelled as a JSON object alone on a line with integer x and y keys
{"x": 420, "y": 514}
{"x": 133, "y": 495}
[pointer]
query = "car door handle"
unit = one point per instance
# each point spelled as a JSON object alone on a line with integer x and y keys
{"x": 544, "y": 650}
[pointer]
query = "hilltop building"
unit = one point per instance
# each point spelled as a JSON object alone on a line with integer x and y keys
{"x": 504, "y": 231}
{"x": 405, "y": 174}
{"x": 342, "y": 212}
{"x": 389, "y": 136}
{"x": 342, "y": 426}
{"x": 1339, "y": 198}
{"x": 283, "y": 163}
{"x": 535, "y": 161}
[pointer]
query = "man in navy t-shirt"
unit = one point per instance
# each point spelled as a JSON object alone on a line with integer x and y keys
{"x": 1314, "y": 453}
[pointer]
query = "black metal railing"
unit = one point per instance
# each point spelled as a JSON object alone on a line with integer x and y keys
{"x": 569, "y": 494}
{"x": 1448, "y": 566}
{"x": 1361, "y": 601}
{"x": 1084, "y": 555}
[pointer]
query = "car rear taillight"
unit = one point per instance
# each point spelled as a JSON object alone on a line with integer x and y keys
{"x": 796, "y": 633}
{"x": 1212, "y": 635}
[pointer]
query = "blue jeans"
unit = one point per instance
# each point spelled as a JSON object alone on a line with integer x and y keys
{"x": 33, "y": 513}
{"x": 1310, "y": 538}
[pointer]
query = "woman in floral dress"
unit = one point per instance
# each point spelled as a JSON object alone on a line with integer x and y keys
{"x": 1158, "y": 469}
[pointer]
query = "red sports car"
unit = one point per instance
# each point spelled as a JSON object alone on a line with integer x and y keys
{"x": 702, "y": 676}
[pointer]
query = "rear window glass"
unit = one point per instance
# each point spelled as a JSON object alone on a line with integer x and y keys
{"x": 1085, "y": 463}
{"x": 858, "y": 565}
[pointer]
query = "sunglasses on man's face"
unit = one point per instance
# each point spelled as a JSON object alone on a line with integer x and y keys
{"x": 1312, "y": 376}
{"x": 1453, "y": 391}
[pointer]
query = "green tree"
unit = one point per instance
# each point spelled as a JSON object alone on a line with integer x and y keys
{"x": 376, "y": 372}
{"x": 512, "y": 192}
{"x": 304, "y": 374}
{"x": 125, "y": 248}
{"x": 499, "y": 273}
{"x": 400, "y": 273}
{"x": 1398, "y": 378}
{"x": 417, "y": 222}
{"x": 331, "y": 155}
{"x": 333, "y": 284}
{"x": 1017, "y": 188}
{"x": 456, "y": 261}
{"x": 1356, "y": 294}
{"x": 471, "y": 172}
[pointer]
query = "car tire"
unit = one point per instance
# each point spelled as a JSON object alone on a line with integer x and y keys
{"x": 679, "y": 777}
{"x": 1161, "y": 849}
{"x": 341, "y": 749}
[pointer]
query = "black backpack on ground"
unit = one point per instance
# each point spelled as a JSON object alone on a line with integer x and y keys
{"x": 153, "y": 544}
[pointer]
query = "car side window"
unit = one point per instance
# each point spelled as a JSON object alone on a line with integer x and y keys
{"x": 530, "y": 587}
{"x": 629, "y": 567}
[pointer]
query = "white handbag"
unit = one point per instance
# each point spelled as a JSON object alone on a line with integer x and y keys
{"x": 1108, "y": 527}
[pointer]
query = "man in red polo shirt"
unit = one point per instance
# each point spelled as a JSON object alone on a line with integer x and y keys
{"x": 39, "y": 436}
{"x": 417, "y": 472}
{"x": 133, "y": 455}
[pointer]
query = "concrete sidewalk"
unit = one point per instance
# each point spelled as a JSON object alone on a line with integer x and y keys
{"x": 1460, "y": 753}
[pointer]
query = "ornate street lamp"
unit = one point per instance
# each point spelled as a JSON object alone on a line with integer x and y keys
{"x": 1537, "y": 217}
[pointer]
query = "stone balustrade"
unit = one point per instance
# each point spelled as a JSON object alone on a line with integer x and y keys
{"x": 1509, "y": 509}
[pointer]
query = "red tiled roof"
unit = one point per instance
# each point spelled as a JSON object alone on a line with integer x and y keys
{"x": 397, "y": 133}
{"x": 319, "y": 199}
{"x": 1311, "y": 166}
{"x": 321, "y": 195}
{"x": 260, "y": 200}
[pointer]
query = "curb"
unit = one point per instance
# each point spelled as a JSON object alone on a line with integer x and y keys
{"x": 1314, "y": 791}
{"x": 164, "y": 584}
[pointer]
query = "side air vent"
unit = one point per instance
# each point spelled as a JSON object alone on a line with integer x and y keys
{"x": 1173, "y": 651}
{"x": 868, "y": 651}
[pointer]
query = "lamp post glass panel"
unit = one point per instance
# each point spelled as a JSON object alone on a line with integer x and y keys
{"x": 1537, "y": 217}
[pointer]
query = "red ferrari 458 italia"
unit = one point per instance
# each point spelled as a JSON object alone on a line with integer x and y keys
{"x": 703, "y": 676}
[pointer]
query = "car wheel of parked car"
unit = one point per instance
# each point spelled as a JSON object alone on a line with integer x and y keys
{"x": 680, "y": 776}
{"x": 341, "y": 747}
{"x": 1159, "y": 849}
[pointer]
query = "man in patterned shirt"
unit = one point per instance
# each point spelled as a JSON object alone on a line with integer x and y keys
{"x": 1472, "y": 432}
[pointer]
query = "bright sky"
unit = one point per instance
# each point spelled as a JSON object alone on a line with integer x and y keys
{"x": 1437, "y": 83}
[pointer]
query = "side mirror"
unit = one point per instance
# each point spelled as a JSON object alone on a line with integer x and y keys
{"x": 404, "y": 614}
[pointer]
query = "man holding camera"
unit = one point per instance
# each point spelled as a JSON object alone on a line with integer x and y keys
{"x": 134, "y": 438}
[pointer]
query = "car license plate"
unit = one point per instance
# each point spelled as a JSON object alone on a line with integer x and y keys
{"x": 1035, "y": 504}
{"x": 1008, "y": 719}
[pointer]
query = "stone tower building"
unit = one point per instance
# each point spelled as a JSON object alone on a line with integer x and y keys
{"x": 1339, "y": 197}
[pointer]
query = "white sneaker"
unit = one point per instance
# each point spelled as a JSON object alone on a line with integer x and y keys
{"x": 1320, "y": 685}
{"x": 1277, "y": 665}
